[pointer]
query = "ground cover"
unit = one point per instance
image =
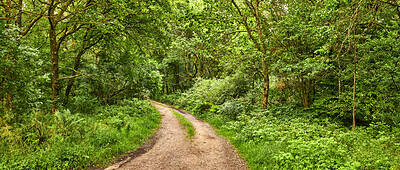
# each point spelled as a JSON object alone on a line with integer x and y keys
{"x": 68, "y": 140}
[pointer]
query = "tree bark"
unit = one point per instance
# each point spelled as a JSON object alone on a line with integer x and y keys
{"x": 19, "y": 16}
{"x": 78, "y": 58}
{"x": 8, "y": 12}
{"x": 266, "y": 84}
{"x": 166, "y": 81}
{"x": 354, "y": 88}
{"x": 54, "y": 58}
{"x": 265, "y": 65}
{"x": 71, "y": 81}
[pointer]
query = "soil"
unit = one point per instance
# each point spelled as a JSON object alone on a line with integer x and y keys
{"x": 171, "y": 149}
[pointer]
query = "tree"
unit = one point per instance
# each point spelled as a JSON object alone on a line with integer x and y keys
{"x": 255, "y": 18}
{"x": 192, "y": 52}
{"x": 66, "y": 18}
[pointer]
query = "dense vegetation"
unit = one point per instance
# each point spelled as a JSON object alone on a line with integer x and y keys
{"x": 285, "y": 80}
{"x": 286, "y": 136}
{"x": 67, "y": 141}
{"x": 73, "y": 76}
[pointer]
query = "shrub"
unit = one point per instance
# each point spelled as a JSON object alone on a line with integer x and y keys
{"x": 83, "y": 104}
{"x": 231, "y": 109}
{"x": 288, "y": 137}
{"x": 202, "y": 108}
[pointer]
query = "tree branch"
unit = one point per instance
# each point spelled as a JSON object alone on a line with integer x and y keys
{"x": 70, "y": 77}
{"x": 83, "y": 74}
{"x": 32, "y": 23}
{"x": 75, "y": 12}
{"x": 246, "y": 25}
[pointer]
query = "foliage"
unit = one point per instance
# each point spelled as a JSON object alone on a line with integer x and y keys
{"x": 381, "y": 77}
{"x": 300, "y": 144}
{"x": 231, "y": 109}
{"x": 77, "y": 58}
{"x": 69, "y": 140}
{"x": 216, "y": 91}
{"x": 17, "y": 68}
{"x": 287, "y": 136}
{"x": 328, "y": 56}
{"x": 171, "y": 99}
{"x": 290, "y": 138}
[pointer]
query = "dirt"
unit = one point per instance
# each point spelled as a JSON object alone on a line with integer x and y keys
{"x": 171, "y": 149}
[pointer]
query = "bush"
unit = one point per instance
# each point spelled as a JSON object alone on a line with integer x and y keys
{"x": 201, "y": 109}
{"x": 216, "y": 91}
{"x": 231, "y": 109}
{"x": 171, "y": 99}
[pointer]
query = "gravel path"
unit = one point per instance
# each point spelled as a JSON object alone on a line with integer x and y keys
{"x": 172, "y": 150}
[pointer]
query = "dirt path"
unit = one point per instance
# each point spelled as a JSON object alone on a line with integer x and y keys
{"x": 172, "y": 150}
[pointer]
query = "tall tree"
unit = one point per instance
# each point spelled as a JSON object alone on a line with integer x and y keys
{"x": 255, "y": 17}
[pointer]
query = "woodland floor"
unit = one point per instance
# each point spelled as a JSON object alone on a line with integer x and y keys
{"x": 171, "y": 149}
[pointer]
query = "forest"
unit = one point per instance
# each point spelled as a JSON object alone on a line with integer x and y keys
{"x": 292, "y": 84}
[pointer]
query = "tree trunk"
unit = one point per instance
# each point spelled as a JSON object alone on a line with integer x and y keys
{"x": 72, "y": 80}
{"x": 8, "y": 12}
{"x": 7, "y": 97}
{"x": 54, "y": 58}
{"x": 166, "y": 81}
{"x": 263, "y": 49}
{"x": 354, "y": 89}
{"x": 266, "y": 84}
{"x": 305, "y": 96}
{"x": 259, "y": 43}
{"x": 19, "y": 16}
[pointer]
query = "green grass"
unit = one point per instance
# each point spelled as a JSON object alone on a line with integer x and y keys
{"x": 185, "y": 123}
{"x": 74, "y": 141}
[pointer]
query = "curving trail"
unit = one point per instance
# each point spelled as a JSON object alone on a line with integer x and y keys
{"x": 172, "y": 150}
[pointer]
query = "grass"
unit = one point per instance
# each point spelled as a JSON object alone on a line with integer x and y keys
{"x": 185, "y": 123}
{"x": 68, "y": 140}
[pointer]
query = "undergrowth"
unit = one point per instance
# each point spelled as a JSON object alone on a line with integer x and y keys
{"x": 288, "y": 137}
{"x": 68, "y": 140}
{"x": 186, "y": 124}
{"x": 270, "y": 140}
